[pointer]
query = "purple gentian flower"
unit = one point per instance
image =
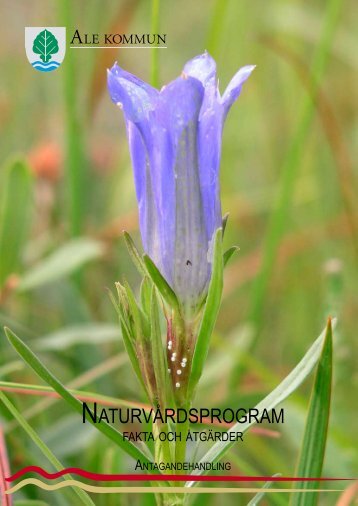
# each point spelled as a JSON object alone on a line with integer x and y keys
{"x": 175, "y": 143}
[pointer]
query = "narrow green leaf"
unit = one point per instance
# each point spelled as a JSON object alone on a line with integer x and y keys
{"x": 133, "y": 251}
{"x": 279, "y": 394}
{"x": 210, "y": 313}
{"x": 114, "y": 302}
{"x": 313, "y": 447}
{"x": 126, "y": 333}
{"x": 123, "y": 306}
{"x": 141, "y": 324}
{"x": 224, "y": 223}
{"x": 229, "y": 253}
{"x": 157, "y": 347}
{"x": 43, "y": 447}
{"x": 131, "y": 328}
{"x": 140, "y": 331}
{"x": 166, "y": 291}
{"x": 16, "y": 204}
{"x": 132, "y": 354}
{"x": 260, "y": 495}
{"x": 145, "y": 295}
{"x": 109, "y": 431}
{"x": 61, "y": 263}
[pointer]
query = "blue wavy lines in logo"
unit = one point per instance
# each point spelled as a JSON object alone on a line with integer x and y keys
{"x": 45, "y": 67}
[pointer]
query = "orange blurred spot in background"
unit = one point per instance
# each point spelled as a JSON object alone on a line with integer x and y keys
{"x": 46, "y": 161}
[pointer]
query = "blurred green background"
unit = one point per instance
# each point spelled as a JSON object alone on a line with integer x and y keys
{"x": 289, "y": 182}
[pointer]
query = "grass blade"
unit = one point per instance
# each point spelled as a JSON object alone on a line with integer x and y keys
{"x": 279, "y": 394}
{"x": 43, "y": 447}
{"x": 313, "y": 448}
{"x": 260, "y": 495}
{"x": 84, "y": 333}
{"x": 76, "y": 166}
{"x": 30, "y": 502}
{"x": 216, "y": 25}
{"x": 110, "y": 432}
{"x": 61, "y": 263}
{"x": 14, "y": 216}
{"x": 211, "y": 309}
{"x": 154, "y": 67}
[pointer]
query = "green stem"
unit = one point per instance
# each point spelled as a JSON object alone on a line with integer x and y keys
{"x": 172, "y": 500}
{"x": 75, "y": 162}
{"x": 162, "y": 448}
{"x": 163, "y": 454}
{"x": 216, "y": 25}
{"x": 181, "y": 429}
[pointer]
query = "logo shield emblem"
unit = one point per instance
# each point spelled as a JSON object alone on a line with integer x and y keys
{"x": 45, "y": 47}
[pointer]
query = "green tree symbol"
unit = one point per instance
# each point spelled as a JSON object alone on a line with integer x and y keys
{"x": 45, "y": 45}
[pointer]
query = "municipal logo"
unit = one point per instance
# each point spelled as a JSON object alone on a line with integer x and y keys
{"x": 45, "y": 47}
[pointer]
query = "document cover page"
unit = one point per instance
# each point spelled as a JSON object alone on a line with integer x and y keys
{"x": 178, "y": 253}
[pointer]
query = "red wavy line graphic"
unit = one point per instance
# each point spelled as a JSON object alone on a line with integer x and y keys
{"x": 159, "y": 477}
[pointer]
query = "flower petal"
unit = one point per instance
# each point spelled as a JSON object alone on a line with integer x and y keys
{"x": 209, "y": 144}
{"x": 183, "y": 232}
{"x": 202, "y": 67}
{"x": 136, "y": 97}
{"x": 233, "y": 89}
{"x": 138, "y": 101}
{"x": 142, "y": 162}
